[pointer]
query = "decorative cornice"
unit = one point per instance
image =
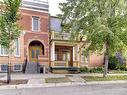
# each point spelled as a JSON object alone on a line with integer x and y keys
{"x": 36, "y": 5}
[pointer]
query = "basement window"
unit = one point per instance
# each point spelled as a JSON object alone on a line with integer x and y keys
{"x": 17, "y": 67}
{"x": 4, "y": 67}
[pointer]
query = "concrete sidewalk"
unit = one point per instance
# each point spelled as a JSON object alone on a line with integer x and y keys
{"x": 16, "y": 76}
{"x": 59, "y": 84}
{"x": 38, "y": 80}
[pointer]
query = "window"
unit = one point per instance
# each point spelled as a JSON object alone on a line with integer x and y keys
{"x": 17, "y": 67}
{"x": 32, "y": 53}
{"x": 3, "y": 51}
{"x": 64, "y": 57}
{"x": 68, "y": 56}
{"x": 17, "y": 47}
{"x": 37, "y": 53}
{"x": 4, "y": 68}
{"x": 35, "y": 24}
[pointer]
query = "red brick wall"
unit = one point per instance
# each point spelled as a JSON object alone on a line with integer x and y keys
{"x": 26, "y": 26}
{"x": 42, "y": 35}
{"x": 96, "y": 60}
{"x": 26, "y": 20}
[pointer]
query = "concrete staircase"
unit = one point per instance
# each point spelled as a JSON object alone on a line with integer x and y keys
{"x": 31, "y": 68}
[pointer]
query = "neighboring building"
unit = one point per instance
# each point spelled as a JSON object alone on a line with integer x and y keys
{"x": 63, "y": 52}
{"x": 66, "y": 54}
{"x": 42, "y": 42}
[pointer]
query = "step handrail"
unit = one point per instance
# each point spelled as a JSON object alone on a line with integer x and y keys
{"x": 25, "y": 64}
{"x": 38, "y": 65}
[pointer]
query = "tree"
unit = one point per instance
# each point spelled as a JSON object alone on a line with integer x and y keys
{"x": 9, "y": 29}
{"x": 103, "y": 22}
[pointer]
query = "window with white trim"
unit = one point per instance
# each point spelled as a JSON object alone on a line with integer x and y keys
{"x": 35, "y": 24}
{"x": 3, "y": 51}
{"x": 4, "y": 67}
{"x": 17, "y": 67}
{"x": 17, "y": 47}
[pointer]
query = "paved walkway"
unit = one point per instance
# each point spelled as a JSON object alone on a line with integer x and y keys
{"x": 16, "y": 76}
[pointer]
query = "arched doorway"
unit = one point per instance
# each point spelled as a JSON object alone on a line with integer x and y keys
{"x": 36, "y": 48}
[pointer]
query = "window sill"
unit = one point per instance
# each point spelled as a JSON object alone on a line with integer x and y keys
{"x": 17, "y": 56}
{"x": 3, "y": 55}
{"x": 36, "y": 31}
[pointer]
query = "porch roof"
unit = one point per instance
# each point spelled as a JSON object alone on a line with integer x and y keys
{"x": 66, "y": 42}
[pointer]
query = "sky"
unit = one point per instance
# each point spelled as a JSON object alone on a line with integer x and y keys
{"x": 54, "y": 6}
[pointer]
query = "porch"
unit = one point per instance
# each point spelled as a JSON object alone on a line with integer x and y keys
{"x": 64, "y": 57}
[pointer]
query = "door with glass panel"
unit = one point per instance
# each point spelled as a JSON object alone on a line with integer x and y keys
{"x": 34, "y": 52}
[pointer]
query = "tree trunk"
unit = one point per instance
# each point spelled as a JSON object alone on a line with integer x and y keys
{"x": 106, "y": 60}
{"x": 105, "y": 66}
{"x": 9, "y": 68}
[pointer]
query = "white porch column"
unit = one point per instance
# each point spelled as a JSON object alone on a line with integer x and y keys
{"x": 78, "y": 53}
{"x": 74, "y": 54}
{"x": 53, "y": 51}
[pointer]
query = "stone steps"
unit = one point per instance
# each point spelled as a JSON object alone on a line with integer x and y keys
{"x": 31, "y": 68}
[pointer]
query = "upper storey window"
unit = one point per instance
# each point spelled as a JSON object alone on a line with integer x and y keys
{"x": 35, "y": 24}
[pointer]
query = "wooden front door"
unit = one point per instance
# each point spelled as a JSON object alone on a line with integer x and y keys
{"x": 34, "y": 52}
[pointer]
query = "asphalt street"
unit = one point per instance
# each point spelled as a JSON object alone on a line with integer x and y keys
{"x": 108, "y": 89}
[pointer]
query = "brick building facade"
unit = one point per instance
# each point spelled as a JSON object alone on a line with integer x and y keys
{"x": 41, "y": 42}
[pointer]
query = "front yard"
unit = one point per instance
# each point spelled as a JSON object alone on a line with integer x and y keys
{"x": 57, "y": 80}
{"x": 117, "y": 72}
{"x": 100, "y": 78}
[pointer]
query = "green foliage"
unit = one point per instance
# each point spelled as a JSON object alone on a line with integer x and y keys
{"x": 101, "y": 21}
{"x": 84, "y": 69}
{"x": 122, "y": 67}
{"x": 114, "y": 64}
{"x": 9, "y": 29}
{"x": 91, "y": 70}
{"x": 96, "y": 70}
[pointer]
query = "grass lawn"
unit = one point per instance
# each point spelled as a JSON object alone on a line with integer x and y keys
{"x": 99, "y": 78}
{"x": 117, "y": 72}
{"x": 13, "y": 82}
{"x": 57, "y": 80}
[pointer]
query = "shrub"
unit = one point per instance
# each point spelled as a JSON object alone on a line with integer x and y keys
{"x": 99, "y": 69}
{"x": 84, "y": 69}
{"x": 122, "y": 67}
{"x": 96, "y": 70}
{"x": 91, "y": 70}
{"x": 113, "y": 63}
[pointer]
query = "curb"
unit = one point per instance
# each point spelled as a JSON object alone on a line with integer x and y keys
{"x": 21, "y": 86}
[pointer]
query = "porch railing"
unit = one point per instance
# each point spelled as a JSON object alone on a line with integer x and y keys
{"x": 60, "y": 36}
{"x": 38, "y": 65}
{"x": 59, "y": 63}
{"x": 65, "y": 36}
{"x": 64, "y": 64}
{"x": 76, "y": 64}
